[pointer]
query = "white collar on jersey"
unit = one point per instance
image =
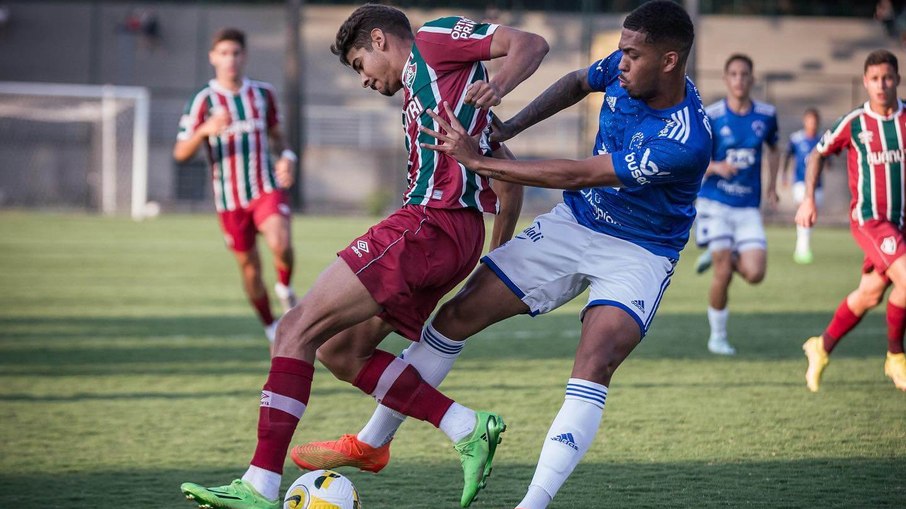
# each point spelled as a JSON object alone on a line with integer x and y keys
{"x": 871, "y": 113}
{"x": 217, "y": 87}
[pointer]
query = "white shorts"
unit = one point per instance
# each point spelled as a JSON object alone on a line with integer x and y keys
{"x": 556, "y": 258}
{"x": 799, "y": 194}
{"x": 721, "y": 227}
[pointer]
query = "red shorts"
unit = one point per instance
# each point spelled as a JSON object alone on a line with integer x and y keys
{"x": 882, "y": 242}
{"x": 410, "y": 260}
{"x": 241, "y": 225}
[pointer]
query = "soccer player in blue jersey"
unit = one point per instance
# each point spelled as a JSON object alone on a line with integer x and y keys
{"x": 625, "y": 217}
{"x": 802, "y": 142}
{"x": 729, "y": 219}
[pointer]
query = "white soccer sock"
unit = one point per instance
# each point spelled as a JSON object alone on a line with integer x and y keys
{"x": 432, "y": 357}
{"x": 568, "y": 439}
{"x": 717, "y": 318}
{"x": 803, "y": 236}
{"x": 458, "y": 422}
{"x": 266, "y": 482}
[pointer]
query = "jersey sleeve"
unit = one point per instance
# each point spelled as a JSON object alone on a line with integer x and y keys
{"x": 660, "y": 161}
{"x": 451, "y": 42}
{"x": 193, "y": 116}
{"x": 272, "y": 117}
{"x": 603, "y": 71}
{"x": 836, "y": 138}
{"x": 772, "y": 135}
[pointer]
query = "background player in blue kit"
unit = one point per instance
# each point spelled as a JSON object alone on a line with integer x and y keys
{"x": 626, "y": 216}
{"x": 729, "y": 219}
{"x": 802, "y": 142}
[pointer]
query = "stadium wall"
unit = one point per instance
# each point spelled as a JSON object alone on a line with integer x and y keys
{"x": 354, "y": 136}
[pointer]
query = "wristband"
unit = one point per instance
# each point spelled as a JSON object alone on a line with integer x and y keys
{"x": 289, "y": 154}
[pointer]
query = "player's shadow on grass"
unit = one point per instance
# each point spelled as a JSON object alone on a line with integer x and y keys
{"x": 806, "y": 484}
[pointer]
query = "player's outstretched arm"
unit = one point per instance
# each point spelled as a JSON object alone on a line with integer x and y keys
{"x": 510, "y": 196}
{"x": 807, "y": 214}
{"x": 564, "y": 93}
{"x": 524, "y": 52}
{"x": 551, "y": 173}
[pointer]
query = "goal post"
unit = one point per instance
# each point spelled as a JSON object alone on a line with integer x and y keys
{"x": 37, "y": 110}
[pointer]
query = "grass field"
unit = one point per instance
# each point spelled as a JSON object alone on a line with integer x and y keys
{"x": 130, "y": 362}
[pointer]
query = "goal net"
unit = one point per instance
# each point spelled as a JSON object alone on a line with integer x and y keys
{"x": 74, "y": 147}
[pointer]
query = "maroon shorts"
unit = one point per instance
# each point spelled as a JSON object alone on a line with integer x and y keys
{"x": 241, "y": 225}
{"x": 882, "y": 242}
{"x": 410, "y": 260}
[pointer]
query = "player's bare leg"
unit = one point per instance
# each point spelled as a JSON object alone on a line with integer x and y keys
{"x": 609, "y": 334}
{"x": 723, "y": 268}
{"x": 277, "y": 233}
{"x": 253, "y": 284}
{"x": 752, "y": 264}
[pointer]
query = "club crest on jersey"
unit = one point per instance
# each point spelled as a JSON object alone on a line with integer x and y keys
{"x": 409, "y": 76}
{"x": 866, "y": 137}
{"x": 758, "y": 128}
{"x": 636, "y": 140}
{"x": 726, "y": 132}
{"x": 360, "y": 247}
{"x": 889, "y": 245}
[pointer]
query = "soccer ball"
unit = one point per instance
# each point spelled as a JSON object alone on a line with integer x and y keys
{"x": 322, "y": 489}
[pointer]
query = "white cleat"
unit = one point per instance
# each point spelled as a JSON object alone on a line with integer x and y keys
{"x": 286, "y": 296}
{"x": 719, "y": 345}
{"x": 271, "y": 331}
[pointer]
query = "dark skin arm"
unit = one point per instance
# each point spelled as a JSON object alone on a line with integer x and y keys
{"x": 510, "y": 196}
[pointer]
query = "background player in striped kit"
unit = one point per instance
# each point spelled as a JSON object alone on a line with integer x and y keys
{"x": 729, "y": 220}
{"x": 875, "y": 134}
{"x": 801, "y": 144}
{"x": 236, "y": 120}
{"x": 626, "y": 215}
{"x": 391, "y": 278}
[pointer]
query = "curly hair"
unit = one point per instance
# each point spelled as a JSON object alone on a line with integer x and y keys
{"x": 355, "y": 32}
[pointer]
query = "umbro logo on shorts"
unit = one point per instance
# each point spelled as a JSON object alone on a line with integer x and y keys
{"x": 360, "y": 247}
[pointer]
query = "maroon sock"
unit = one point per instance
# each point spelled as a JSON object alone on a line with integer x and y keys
{"x": 843, "y": 321}
{"x": 283, "y": 402}
{"x": 896, "y": 325}
{"x": 263, "y": 308}
{"x": 284, "y": 275}
{"x": 397, "y": 385}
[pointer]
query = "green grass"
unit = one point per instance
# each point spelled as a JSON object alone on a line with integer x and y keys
{"x": 130, "y": 362}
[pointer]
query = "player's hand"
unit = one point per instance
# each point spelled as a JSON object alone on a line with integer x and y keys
{"x": 773, "y": 198}
{"x": 723, "y": 169}
{"x": 283, "y": 170}
{"x": 483, "y": 94}
{"x": 500, "y": 130}
{"x": 454, "y": 140}
{"x": 216, "y": 123}
{"x": 807, "y": 213}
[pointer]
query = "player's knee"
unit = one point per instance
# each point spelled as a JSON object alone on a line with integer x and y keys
{"x": 755, "y": 276}
{"x": 335, "y": 362}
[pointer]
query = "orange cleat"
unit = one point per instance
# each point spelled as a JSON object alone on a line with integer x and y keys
{"x": 347, "y": 451}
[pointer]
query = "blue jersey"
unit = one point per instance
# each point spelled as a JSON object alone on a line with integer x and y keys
{"x": 800, "y": 147}
{"x": 659, "y": 156}
{"x": 738, "y": 139}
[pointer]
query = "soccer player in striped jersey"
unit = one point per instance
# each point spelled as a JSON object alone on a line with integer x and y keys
{"x": 624, "y": 219}
{"x": 236, "y": 121}
{"x": 801, "y": 144}
{"x": 729, "y": 219}
{"x": 391, "y": 278}
{"x": 875, "y": 135}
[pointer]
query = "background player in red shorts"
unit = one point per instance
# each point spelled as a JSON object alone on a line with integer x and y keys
{"x": 391, "y": 278}
{"x": 235, "y": 118}
{"x": 874, "y": 135}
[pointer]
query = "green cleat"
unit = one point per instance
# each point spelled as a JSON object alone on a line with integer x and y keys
{"x": 803, "y": 257}
{"x": 476, "y": 452}
{"x": 237, "y": 495}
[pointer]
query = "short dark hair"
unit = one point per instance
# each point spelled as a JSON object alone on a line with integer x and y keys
{"x": 228, "y": 34}
{"x": 812, "y": 111}
{"x": 355, "y": 32}
{"x": 746, "y": 59}
{"x": 881, "y": 56}
{"x": 663, "y": 22}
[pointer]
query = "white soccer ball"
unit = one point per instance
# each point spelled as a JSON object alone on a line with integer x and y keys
{"x": 322, "y": 489}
